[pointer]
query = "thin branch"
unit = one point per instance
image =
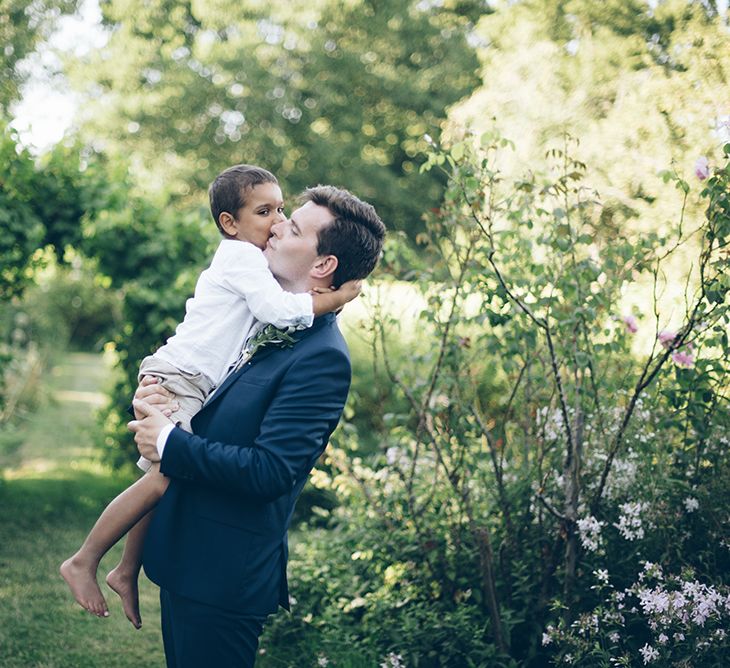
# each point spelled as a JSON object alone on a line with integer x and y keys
{"x": 549, "y": 508}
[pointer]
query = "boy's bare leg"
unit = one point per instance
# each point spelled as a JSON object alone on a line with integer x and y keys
{"x": 123, "y": 578}
{"x": 118, "y": 517}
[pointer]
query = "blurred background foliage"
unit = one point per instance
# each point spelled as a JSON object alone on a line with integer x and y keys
{"x": 316, "y": 91}
{"x": 105, "y": 233}
{"x": 23, "y": 25}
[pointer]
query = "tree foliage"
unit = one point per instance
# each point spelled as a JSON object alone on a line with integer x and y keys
{"x": 22, "y": 228}
{"x": 23, "y": 24}
{"x": 43, "y": 206}
{"x": 642, "y": 85}
{"x": 317, "y": 91}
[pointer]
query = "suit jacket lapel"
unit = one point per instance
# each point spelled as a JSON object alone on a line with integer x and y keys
{"x": 262, "y": 354}
{"x": 231, "y": 377}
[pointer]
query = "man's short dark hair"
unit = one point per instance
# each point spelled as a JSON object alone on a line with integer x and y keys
{"x": 229, "y": 189}
{"x": 355, "y": 237}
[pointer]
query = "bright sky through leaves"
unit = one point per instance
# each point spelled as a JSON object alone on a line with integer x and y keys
{"x": 48, "y": 107}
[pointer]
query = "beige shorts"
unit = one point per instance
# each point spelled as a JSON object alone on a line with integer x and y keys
{"x": 190, "y": 390}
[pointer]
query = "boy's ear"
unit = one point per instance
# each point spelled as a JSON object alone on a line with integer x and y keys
{"x": 325, "y": 266}
{"x": 228, "y": 224}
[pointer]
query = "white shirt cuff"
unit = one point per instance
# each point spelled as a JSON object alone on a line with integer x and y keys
{"x": 162, "y": 438}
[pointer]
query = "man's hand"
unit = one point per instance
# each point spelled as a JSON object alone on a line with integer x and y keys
{"x": 147, "y": 428}
{"x": 152, "y": 393}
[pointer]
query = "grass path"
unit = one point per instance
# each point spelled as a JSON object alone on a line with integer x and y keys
{"x": 51, "y": 491}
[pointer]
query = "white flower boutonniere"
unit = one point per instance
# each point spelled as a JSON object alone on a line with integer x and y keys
{"x": 268, "y": 336}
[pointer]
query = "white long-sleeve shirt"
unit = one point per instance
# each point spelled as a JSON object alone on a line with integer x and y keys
{"x": 231, "y": 295}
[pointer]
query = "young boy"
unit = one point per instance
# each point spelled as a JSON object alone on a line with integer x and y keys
{"x": 231, "y": 296}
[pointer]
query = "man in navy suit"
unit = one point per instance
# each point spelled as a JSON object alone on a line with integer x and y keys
{"x": 217, "y": 545}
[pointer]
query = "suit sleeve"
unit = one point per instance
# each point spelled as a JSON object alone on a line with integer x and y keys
{"x": 304, "y": 412}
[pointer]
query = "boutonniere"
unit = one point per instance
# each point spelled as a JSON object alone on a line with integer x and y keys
{"x": 271, "y": 336}
{"x": 268, "y": 336}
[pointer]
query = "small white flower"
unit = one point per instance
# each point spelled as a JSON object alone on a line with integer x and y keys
{"x": 691, "y": 504}
{"x": 614, "y": 637}
{"x": 629, "y": 523}
{"x": 648, "y": 653}
{"x": 546, "y": 639}
{"x": 589, "y": 529}
{"x": 601, "y": 575}
{"x": 393, "y": 660}
{"x": 323, "y": 660}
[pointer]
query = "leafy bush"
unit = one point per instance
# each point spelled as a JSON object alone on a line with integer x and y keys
{"x": 22, "y": 228}
{"x": 153, "y": 255}
{"x": 547, "y": 435}
{"x": 42, "y": 206}
{"x": 71, "y": 307}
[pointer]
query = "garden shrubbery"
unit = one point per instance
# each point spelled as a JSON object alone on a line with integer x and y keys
{"x": 533, "y": 470}
{"x": 553, "y": 484}
{"x": 52, "y": 297}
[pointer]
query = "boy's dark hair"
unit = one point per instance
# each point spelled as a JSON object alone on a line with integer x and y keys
{"x": 229, "y": 189}
{"x": 355, "y": 237}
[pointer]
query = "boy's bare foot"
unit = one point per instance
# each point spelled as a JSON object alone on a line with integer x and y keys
{"x": 126, "y": 587}
{"x": 81, "y": 579}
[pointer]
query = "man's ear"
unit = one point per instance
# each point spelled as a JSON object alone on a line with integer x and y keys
{"x": 324, "y": 266}
{"x": 228, "y": 223}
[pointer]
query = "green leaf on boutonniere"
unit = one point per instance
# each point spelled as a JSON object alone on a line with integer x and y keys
{"x": 268, "y": 336}
{"x": 271, "y": 336}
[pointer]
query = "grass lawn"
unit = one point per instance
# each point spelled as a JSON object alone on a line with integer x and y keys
{"x": 51, "y": 491}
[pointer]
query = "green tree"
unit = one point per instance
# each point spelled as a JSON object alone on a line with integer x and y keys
{"x": 316, "y": 91}
{"x": 42, "y": 208}
{"x": 81, "y": 206}
{"x": 22, "y": 229}
{"x": 23, "y": 24}
{"x": 642, "y": 88}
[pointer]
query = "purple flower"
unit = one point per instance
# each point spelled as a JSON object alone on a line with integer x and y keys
{"x": 631, "y": 323}
{"x": 666, "y": 337}
{"x": 684, "y": 358}
{"x": 702, "y": 168}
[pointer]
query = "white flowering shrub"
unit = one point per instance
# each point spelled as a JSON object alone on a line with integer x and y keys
{"x": 589, "y": 529}
{"x": 664, "y": 620}
{"x": 530, "y": 459}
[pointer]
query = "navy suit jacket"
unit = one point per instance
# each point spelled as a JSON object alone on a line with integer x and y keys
{"x": 219, "y": 533}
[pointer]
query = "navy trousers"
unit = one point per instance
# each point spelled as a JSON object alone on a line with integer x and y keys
{"x": 196, "y": 635}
